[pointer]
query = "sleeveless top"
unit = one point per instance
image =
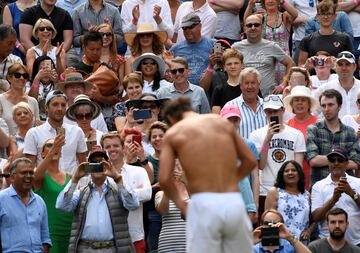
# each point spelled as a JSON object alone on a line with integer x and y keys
{"x": 173, "y": 231}
{"x": 295, "y": 209}
{"x": 16, "y": 16}
{"x": 51, "y": 53}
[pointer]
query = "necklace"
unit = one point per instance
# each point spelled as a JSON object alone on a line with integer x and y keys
{"x": 273, "y": 30}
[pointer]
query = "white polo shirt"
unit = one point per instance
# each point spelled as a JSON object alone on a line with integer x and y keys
{"x": 323, "y": 190}
{"x": 136, "y": 181}
{"x": 74, "y": 143}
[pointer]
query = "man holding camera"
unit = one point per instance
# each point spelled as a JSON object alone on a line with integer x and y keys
{"x": 276, "y": 143}
{"x": 101, "y": 208}
{"x": 337, "y": 223}
{"x": 338, "y": 189}
{"x": 273, "y": 236}
{"x": 346, "y": 84}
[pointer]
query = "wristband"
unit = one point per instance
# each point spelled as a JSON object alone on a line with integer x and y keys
{"x": 356, "y": 2}
{"x": 264, "y": 148}
{"x": 292, "y": 240}
{"x": 17, "y": 44}
{"x": 35, "y": 86}
{"x": 134, "y": 21}
{"x": 283, "y": 4}
{"x": 62, "y": 77}
{"x": 210, "y": 69}
{"x": 282, "y": 86}
{"x": 212, "y": 1}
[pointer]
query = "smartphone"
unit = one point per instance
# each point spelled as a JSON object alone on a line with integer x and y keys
{"x": 90, "y": 145}
{"x": 137, "y": 139}
{"x": 47, "y": 64}
{"x": 142, "y": 114}
{"x": 276, "y": 120}
{"x": 297, "y": 80}
{"x": 319, "y": 62}
{"x": 258, "y": 5}
{"x": 60, "y": 130}
{"x": 343, "y": 179}
{"x": 94, "y": 168}
{"x": 217, "y": 48}
{"x": 270, "y": 236}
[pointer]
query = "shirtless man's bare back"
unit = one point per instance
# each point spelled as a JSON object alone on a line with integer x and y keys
{"x": 208, "y": 148}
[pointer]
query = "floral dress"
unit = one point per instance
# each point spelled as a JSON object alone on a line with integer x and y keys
{"x": 295, "y": 209}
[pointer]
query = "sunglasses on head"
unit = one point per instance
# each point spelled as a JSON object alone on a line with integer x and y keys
{"x": 180, "y": 70}
{"x": 148, "y": 62}
{"x": 108, "y": 34}
{"x": 48, "y": 29}
{"x": 81, "y": 116}
{"x": 190, "y": 27}
{"x": 273, "y": 98}
{"x": 17, "y": 75}
{"x": 250, "y": 25}
{"x": 346, "y": 55}
{"x": 336, "y": 158}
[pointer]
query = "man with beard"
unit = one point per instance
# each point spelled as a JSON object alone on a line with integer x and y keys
{"x": 337, "y": 190}
{"x": 337, "y": 222}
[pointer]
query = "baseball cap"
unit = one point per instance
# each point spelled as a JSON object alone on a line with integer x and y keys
{"x": 98, "y": 153}
{"x": 190, "y": 19}
{"x": 338, "y": 152}
{"x": 347, "y": 56}
{"x": 230, "y": 111}
{"x": 54, "y": 93}
{"x": 273, "y": 102}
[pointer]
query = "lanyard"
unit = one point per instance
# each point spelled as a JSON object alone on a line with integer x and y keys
{"x": 4, "y": 68}
{"x": 273, "y": 30}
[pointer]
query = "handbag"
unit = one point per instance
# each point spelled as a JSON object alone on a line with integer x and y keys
{"x": 105, "y": 79}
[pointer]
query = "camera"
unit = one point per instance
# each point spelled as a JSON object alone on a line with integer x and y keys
{"x": 270, "y": 235}
{"x": 319, "y": 62}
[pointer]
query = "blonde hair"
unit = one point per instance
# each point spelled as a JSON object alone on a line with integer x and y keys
{"x": 113, "y": 44}
{"x": 21, "y": 105}
{"x": 45, "y": 22}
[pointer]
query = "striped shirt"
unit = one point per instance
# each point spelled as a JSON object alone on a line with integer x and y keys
{"x": 250, "y": 120}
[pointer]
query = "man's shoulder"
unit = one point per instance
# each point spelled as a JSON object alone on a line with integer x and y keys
{"x": 319, "y": 184}
{"x": 320, "y": 243}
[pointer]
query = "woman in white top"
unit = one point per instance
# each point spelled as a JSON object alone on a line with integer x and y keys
{"x": 44, "y": 31}
{"x": 17, "y": 77}
{"x": 354, "y": 120}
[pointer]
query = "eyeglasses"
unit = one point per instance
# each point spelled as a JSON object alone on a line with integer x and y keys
{"x": 108, "y": 34}
{"x": 190, "y": 27}
{"x": 145, "y": 34}
{"x": 48, "y": 29}
{"x": 272, "y": 97}
{"x": 250, "y": 25}
{"x": 338, "y": 159}
{"x": 49, "y": 145}
{"x": 148, "y": 63}
{"x": 86, "y": 116}
{"x": 180, "y": 70}
{"x": 326, "y": 15}
{"x": 346, "y": 55}
{"x": 17, "y": 75}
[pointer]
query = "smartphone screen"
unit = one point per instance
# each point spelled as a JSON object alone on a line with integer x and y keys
{"x": 142, "y": 114}
{"x": 94, "y": 167}
{"x": 276, "y": 120}
{"x": 47, "y": 64}
{"x": 297, "y": 79}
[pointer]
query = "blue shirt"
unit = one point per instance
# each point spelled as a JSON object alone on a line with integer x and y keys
{"x": 98, "y": 224}
{"x": 199, "y": 101}
{"x": 197, "y": 56}
{"x": 340, "y": 24}
{"x": 68, "y": 5}
{"x": 284, "y": 247}
{"x": 23, "y": 228}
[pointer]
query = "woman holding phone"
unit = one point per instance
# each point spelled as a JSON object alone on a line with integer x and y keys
{"x": 295, "y": 77}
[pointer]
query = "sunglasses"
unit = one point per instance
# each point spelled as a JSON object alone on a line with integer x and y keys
{"x": 17, "y": 75}
{"x": 346, "y": 55}
{"x": 338, "y": 159}
{"x": 108, "y": 34}
{"x": 48, "y": 29}
{"x": 250, "y": 25}
{"x": 273, "y": 98}
{"x": 180, "y": 70}
{"x": 148, "y": 63}
{"x": 145, "y": 35}
{"x": 86, "y": 116}
{"x": 327, "y": 14}
{"x": 190, "y": 27}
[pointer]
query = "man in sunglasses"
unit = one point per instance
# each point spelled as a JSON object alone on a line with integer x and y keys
{"x": 338, "y": 189}
{"x": 346, "y": 83}
{"x": 194, "y": 42}
{"x": 74, "y": 149}
{"x": 262, "y": 54}
{"x": 182, "y": 87}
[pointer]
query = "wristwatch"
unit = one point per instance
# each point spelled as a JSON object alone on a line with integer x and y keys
{"x": 144, "y": 162}
{"x": 356, "y": 196}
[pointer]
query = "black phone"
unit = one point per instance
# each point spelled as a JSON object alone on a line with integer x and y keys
{"x": 94, "y": 168}
{"x": 276, "y": 120}
{"x": 270, "y": 236}
{"x": 142, "y": 114}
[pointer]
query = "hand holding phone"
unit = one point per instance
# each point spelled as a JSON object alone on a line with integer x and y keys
{"x": 94, "y": 168}
{"x": 217, "y": 48}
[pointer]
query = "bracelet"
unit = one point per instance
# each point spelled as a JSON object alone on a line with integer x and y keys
{"x": 17, "y": 44}
{"x": 292, "y": 240}
{"x": 264, "y": 148}
{"x": 282, "y": 86}
{"x": 283, "y": 4}
{"x": 35, "y": 86}
{"x": 212, "y": 1}
{"x": 210, "y": 69}
{"x": 62, "y": 77}
{"x": 118, "y": 179}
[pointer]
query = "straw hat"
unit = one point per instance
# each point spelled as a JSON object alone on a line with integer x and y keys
{"x": 144, "y": 28}
{"x": 300, "y": 91}
{"x": 160, "y": 62}
{"x": 73, "y": 78}
{"x": 82, "y": 100}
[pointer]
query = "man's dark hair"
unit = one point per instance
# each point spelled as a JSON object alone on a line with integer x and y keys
{"x": 337, "y": 211}
{"x": 332, "y": 93}
{"x": 280, "y": 176}
{"x": 6, "y": 31}
{"x": 15, "y": 163}
{"x": 176, "y": 107}
{"x": 92, "y": 36}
